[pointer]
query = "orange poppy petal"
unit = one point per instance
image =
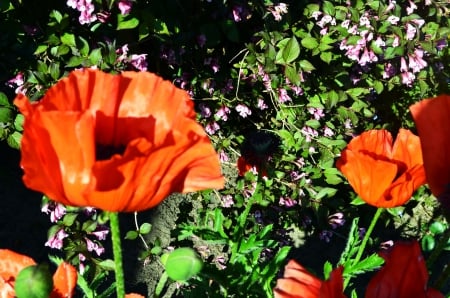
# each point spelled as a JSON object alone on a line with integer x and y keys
{"x": 377, "y": 142}
{"x": 433, "y": 124}
{"x": 39, "y": 161}
{"x": 369, "y": 178}
{"x": 403, "y": 187}
{"x": 11, "y": 263}
{"x": 7, "y": 289}
{"x": 64, "y": 281}
{"x": 297, "y": 283}
{"x": 404, "y": 273}
{"x": 407, "y": 149}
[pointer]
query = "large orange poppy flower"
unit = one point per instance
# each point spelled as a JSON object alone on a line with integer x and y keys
{"x": 403, "y": 275}
{"x": 299, "y": 283}
{"x": 383, "y": 174}
{"x": 432, "y": 118}
{"x": 11, "y": 263}
{"x": 115, "y": 142}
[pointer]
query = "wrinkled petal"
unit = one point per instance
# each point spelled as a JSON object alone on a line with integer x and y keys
{"x": 115, "y": 142}
{"x": 404, "y": 273}
{"x": 11, "y": 263}
{"x": 375, "y": 142}
{"x": 369, "y": 178}
{"x": 432, "y": 118}
{"x": 401, "y": 190}
{"x": 64, "y": 281}
{"x": 383, "y": 174}
{"x": 297, "y": 282}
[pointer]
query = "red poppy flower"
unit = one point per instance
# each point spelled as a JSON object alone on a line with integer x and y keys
{"x": 432, "y": 118}
{"x": 403, "y": 275}
{"x": 11, "y": 263}
{"x": 116, "y": 142}
{"x": 383, "y": 174}
{"x": 299, "y": 283}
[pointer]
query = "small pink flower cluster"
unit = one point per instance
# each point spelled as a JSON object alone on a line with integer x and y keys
{"x": 366, "y": 45}
{"x": 139, "y": 62}
{"x": 86, "y": 9}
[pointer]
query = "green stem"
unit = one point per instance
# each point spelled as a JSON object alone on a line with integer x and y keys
{"x": 364, "y": 242}
{"x": 367, "y": 235}
{"x": 117, "y": 252}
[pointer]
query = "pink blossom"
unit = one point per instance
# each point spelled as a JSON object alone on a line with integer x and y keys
{"x": 212, "y": 127}
{"x": 364, "y": 21}
{"x": 396, "y": 41}
{"x": 139, "y": 61}
{"x": 416, "y": 63}
{"x": 123, "y": 53}
{"x": 100, "y": 232}
{"x": 403, "y": 66}
{"x": 125, "y": 6}
{"x": 408, "y": 78}
{"x": 222, "y": 113}
{"x": 278, "y": 10}
{"x": 56, "y": 241}
{"x": 410, "y": 31}
{"x": 393, "y": 19}
{"x": 93, "y": 246}
{"x": 336, "y": 220}
{"x": 309, "y": 133}
{"x": 380, "y": 42}
{"x": 345, "y": 24}
{"x": 261, "y": 104}
{"x": 368, "y": 56}
{"x": 243, "y": 110}
{"x": 56, "y": 210}
{"x": 316, "y": 14}
{"x": 328, "y": 132}
{"x": 410, "y": 9}
{"x": 286, "y": 201}
{"x": 390, "y": 7}
{"x": 240, "y": 13}
{"x": 325, "y": 235}
{"x": 223, "y": 157}
{"x": 227, "y": 201}
{"x": 316, "y": 112}
{"x": 283, "y": 96}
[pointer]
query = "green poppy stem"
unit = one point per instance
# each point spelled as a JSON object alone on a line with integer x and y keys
{"x": 117, "y": 252}
{"x": 364, "y": 243}
{"x": 367, "y": 235}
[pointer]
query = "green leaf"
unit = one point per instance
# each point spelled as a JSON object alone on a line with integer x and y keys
{"x": 18, "y": 122}
{"x": 84, "y": 49}
{"x": 145, "y": 228}
{"x": 107, "y": 264}
{"x": 131, "y": 235}
{"x": 40, "y": 49}
{"x": 326, "y": 57}
{"x": 291, "y": 51}
{"x": 438, "y": 227}
{"x": 370, "y": 263}
{"x": 4, "y": 100}
{"x": 56, "y": 15}
{"x": 6, "y": 115}
{"x": 68, "y": 39}
{"x": 309, "y": 42}
{"x": 292, "y": 74}
{"x": 306, "y": 66}
{"x": 126, "y": 22}
{"x": 95, "y": 56}
{"x": 328, "y": 8}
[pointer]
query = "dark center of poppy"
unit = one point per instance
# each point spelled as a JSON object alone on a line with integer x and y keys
{"x": 105, "y": 152}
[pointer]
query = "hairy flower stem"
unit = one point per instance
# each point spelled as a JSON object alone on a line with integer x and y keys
{"x": 362, "y": 247}
{"x": 367, "y": 235}
{"x": 117, "y": 252}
